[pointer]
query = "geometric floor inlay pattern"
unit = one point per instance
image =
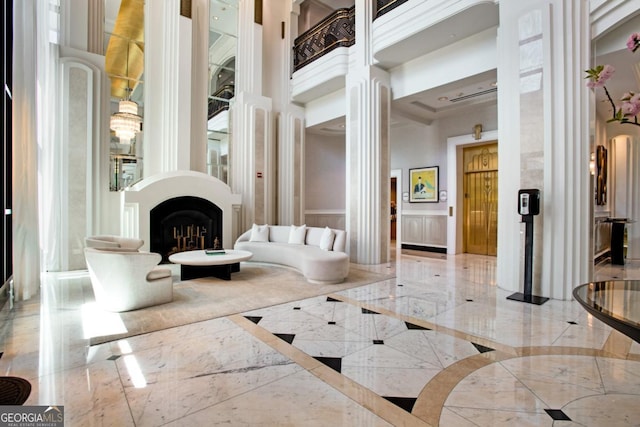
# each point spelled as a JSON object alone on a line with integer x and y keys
{"x": 437, "y": 345}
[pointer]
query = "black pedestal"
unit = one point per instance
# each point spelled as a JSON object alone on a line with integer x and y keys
{"x": 528, "y": 267}
{"x": 531, "y": 299}
{"x": 188, "y": 272}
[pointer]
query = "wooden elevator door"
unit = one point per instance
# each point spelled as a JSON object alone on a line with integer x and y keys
{"x": 480, "y": 228}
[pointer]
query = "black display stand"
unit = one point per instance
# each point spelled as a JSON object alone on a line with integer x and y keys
{"x": 528, "y": 267}
{"x": 617, "y": 239}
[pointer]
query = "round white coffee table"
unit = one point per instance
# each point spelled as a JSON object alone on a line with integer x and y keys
{"x": 196, "y": 264}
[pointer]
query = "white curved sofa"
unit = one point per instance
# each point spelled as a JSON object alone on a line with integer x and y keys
{"x": 327, "y": 265}
{"x": 124, "y": 280}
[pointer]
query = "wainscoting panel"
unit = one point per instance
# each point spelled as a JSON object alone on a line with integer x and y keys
{"x": 424, "y": 230}
{"x": 326, "y": 219}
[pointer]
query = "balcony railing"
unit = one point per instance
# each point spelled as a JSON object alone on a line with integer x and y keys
{"x": 384, "y": 6}
{"x": 336, "y": 30}
{"x": 219, "y": 101}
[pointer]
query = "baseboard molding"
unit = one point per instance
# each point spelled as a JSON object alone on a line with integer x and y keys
{"x": 424, "y": 248}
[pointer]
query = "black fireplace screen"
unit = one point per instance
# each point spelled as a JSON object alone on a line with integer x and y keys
{"x": 183, "y": 224}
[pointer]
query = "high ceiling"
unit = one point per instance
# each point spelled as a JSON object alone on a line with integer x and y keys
{"x": 481, "y": 90}
{"x": 124, "y": 56}
{"x": 453, "y": 98}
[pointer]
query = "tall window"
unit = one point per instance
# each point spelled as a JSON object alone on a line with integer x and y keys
{"x": 7, "y": 240}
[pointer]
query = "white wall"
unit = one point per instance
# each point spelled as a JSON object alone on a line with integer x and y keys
{"x": 325, "y": 172}
{"x": 415, "y": 146}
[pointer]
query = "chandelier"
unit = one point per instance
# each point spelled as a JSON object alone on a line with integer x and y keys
{"x": 126, "y": 122}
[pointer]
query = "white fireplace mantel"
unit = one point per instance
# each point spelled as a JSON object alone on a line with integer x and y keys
{"x": 138, "y": 200}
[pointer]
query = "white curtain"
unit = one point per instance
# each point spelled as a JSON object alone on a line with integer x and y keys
{"x": 26, "y": 253}
{"x": 49, "y": 146}
{"x": 35, "y": 210}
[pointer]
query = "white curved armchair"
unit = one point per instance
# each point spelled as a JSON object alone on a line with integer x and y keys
{"x": 124, "y": 281}
{"x": 113, "y": 242}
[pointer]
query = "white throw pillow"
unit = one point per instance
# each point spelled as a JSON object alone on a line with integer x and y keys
{"x": 259, "y": 233}
{"x": 297, "y": 234}
{"x": 326, "y": 241}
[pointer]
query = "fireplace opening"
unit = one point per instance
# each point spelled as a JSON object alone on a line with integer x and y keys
{"x": 183, "y": 224}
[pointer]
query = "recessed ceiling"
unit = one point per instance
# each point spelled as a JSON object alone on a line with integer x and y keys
{"x": 450, "y": 99}
{"x": 466, "y": 23}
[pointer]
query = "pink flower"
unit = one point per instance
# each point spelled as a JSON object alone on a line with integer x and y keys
{"x": 631, "y": 104}
{"x": 630, "y": 109}
{"x": 633, "y": 42}
{"x": 598, "y": 76}
{"x": 606, "y": 73}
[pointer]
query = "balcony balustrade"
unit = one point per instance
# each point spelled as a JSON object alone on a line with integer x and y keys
{"x": 219, "y": 101}
{"x": 384, "y": 6}
{"x": 336, "y": 30}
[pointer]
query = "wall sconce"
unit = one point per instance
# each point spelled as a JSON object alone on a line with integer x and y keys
{"x": 477, "y": 131}
{"x": 592, "y": 164}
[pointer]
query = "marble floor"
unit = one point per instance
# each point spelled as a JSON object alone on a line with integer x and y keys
{"x": 438, "y": 345}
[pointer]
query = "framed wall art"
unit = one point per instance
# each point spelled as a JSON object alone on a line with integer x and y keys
{"x": 424, "y": 184}
{"x": 601, "y": 175}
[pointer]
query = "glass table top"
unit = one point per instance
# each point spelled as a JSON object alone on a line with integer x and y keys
{"x": 615, "y": 302}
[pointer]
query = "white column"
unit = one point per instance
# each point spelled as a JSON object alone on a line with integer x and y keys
{"x": 543, "y": 116}
{"x": 75, "y": 25}
{"x": 78, "y": 158}
{"x": 367, "y": 139}
{"x": 291, "y": 160}
{"x": 167, "y": 89}
{"x": 95, "y": 42}
{"x": 249, "y": 59}
{"x": 252, "y": 158}
{"x": 290, "y": 118}
{"x": 252, "y": 153}
{"x": 199, "y": 84}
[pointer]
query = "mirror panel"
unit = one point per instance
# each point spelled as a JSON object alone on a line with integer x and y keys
{"x": 223, "y": 23}
{"x": 614, "y": 158}
{"x": 124, "y": 64}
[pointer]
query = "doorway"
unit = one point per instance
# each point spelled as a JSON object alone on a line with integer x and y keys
{"x": 480, "y": 207}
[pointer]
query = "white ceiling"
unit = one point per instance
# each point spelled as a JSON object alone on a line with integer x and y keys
{"x": 481, "y": 90}
{"x": 426, "y": 106}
